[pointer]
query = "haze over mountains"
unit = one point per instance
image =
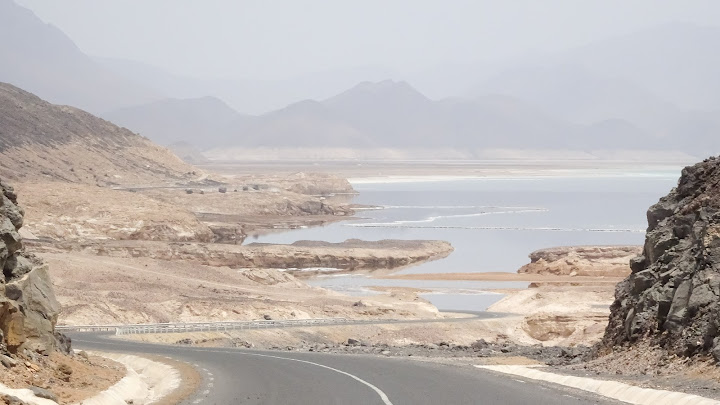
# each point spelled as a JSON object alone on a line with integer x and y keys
{"x": 247, "y": 96}
{"x": 653, "y": 90}
{"x": 40, "y": 58}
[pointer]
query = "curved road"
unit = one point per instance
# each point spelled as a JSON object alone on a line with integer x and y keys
{"x": 242, "y": 376}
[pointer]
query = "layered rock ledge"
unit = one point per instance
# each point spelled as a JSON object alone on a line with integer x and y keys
{"x": 351, "y": 255}
{"x": 596, "y": 261}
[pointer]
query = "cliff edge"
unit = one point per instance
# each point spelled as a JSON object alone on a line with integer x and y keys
{"x": 28, "y": 308}
{"x": 671, "y": 298}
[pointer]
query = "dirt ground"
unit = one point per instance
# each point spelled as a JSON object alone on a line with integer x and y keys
{"x": 105, "y": 290}
{"x": 548, "y": 316}
{"x": 78, "y": 211}
{"x": 652, "y": 367}
{"x": 71, "y": 379}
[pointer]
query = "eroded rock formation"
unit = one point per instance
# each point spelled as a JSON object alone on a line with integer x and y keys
{"x": 596, "y": 261}
{"x": 672, "y": 296}
{"x": 351, "y": 255}
{"x": 28, "y": 308}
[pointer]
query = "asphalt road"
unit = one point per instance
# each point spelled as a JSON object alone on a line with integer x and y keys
{"x": 241, "y": 376}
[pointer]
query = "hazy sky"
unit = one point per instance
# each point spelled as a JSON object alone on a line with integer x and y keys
{"x": 266, "y": 39}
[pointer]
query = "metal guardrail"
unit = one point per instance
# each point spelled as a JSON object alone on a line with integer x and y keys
{"x": 212, "y": 326}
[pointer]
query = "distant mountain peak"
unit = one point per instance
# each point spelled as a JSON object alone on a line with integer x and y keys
{"x": 303, "y": 106}
{"x": 385, "y": 87}
{"x": 386, "y": 91}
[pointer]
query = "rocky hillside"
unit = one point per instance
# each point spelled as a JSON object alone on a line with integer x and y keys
{"x": 44, "y": 142}
{"x": 28, "y": 309}
{"x": 672, "y": 297}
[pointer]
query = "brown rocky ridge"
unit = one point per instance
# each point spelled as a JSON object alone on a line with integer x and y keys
{"x": 671, "y": 299}
{"x": 595, "y": 261}
{"x": 350, "y": 255}
{"x": 40, "y": 141}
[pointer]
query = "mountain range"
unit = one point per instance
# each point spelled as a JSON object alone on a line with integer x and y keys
{"x": 651, "y": 90}
{"x": 392, "y": 114}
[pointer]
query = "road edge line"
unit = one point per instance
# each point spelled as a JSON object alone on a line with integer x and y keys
{"x": 377, "y": 390}
{"x": 609, "y": 389}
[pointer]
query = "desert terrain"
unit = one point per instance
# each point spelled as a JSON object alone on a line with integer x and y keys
{"x": 557, "y": 310}
{"x": 103, "y": 226}
{"x": 144, "y": 193}
{"x": 176, "y": 254}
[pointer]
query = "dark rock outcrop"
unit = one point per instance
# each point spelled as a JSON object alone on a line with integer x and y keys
{"x": 672, "y": 296}
{"x": 28, "y": 308}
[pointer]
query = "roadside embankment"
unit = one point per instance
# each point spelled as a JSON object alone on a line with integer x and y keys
{"x": 66, "y": 379}
{"x": 146, "y": 382}
{"x": 611, "y": 389}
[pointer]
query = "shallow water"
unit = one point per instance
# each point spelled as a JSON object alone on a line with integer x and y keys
{"x": 463, "y": 302}
{"x": 445, "y": 295}
{"x": 493, "y": 224}
{"x": 350, "y": 282}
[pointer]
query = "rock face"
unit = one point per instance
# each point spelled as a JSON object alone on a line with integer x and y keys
{"x": 597, "y": 261}
{"x": 672, "y": 296}
{"x": 28, "y": 308}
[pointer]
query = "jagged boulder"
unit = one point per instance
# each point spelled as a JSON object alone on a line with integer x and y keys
{"x": 28, "y": 308}
{"x": 672, "y": 296}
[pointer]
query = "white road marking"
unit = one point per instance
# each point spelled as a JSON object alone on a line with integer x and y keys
{"x": 210, "y": 385}
{"x": 380, "y": 393}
